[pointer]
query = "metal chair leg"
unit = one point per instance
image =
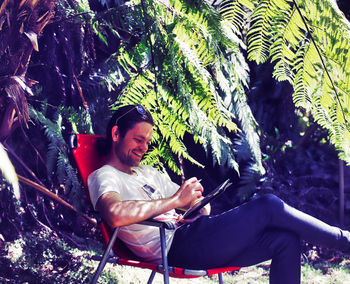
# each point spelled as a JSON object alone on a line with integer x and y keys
{"x": 164, "y": 255}
{"x": 221, "y": 281}
{"x": 150, "y": 279}
{"x": 105, "y": 256}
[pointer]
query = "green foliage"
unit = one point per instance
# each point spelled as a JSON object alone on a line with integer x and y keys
{"x": 187, "y": 69}
{"x": 183, "y": 61}
{"x": 309, "y": 43}
{"x": 41, "y": 256}
{"x": 57, "y": 157}
{"x": 190, "y": 55}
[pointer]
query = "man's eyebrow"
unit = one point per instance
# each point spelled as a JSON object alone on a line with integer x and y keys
{"x": 140, "y": 136}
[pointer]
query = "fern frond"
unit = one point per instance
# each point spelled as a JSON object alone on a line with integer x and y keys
{"x": 234, "y": 12}
{"x": 309, "y": 43}
{"x": 138, "y": 86}
{"x": 263, "y": 18}
{"x": 57, "y": 161}
{"x": 169, "y": 159}
{"x": 152, "y": 157}
{"x": 304, "y": 68}
{"x": 175, "y": 144}
{"x": 285, "y": 41}
{"x": 248, "y": 124}
{"x": 186, "y": 51}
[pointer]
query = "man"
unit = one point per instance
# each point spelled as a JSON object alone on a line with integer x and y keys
{"x": 124, "y": 192}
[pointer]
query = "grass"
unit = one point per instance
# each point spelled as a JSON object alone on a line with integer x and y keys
{"x": 128, "y": 275}
{"x": 323, "y": 273}
{"x": 42, "y": 257}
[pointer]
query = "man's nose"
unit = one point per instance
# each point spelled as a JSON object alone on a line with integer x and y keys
{"x": 144, "y": 147}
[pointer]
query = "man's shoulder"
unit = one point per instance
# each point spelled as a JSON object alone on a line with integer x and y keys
{"x": 105, "y": 169}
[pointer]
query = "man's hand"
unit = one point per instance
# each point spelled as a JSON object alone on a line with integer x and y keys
{"x": 189, "y": 192}
{"x": 205, "y": 211}
{"x": 117, "y": 212}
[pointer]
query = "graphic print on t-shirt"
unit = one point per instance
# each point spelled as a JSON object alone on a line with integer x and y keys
{"x": 151, "y": 192}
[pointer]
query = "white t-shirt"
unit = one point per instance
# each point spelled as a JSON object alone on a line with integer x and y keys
{"x": 147, "y": 184}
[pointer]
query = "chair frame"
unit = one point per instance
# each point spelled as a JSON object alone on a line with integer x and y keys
{"x": 79, "y": 144}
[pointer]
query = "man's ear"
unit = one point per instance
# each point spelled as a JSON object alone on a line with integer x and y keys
{"x": 115, "y": 133}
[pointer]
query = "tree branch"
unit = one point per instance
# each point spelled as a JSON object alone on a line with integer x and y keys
{"x": 323, "y": 64}
{"x": 53, "y": 196}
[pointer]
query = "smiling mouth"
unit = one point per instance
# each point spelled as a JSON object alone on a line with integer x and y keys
{"x": 138, "y": 155}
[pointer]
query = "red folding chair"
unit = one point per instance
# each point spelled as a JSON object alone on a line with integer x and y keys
{"x": 88, "y": 158}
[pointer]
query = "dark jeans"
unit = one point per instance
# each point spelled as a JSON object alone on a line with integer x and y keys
{"x": 261, "y": 229}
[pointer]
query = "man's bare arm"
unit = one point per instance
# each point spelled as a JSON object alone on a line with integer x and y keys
{"x": 120, "y": 213}
{"x": 117, "y": 212}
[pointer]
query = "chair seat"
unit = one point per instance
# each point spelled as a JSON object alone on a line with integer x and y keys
{"x": 174, "y": 272}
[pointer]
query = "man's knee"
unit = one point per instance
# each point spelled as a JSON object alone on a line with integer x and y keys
{"x": 292, "y": 239}
{"x": 270, "y": 203}
{"x": 286, "y": 242}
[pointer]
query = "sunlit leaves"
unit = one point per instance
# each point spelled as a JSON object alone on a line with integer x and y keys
{"x": 308, "y": 41}
{"x": 185, "y": 70}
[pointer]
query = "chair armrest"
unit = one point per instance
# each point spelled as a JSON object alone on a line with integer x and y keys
{"x": 157, "y": 223}
{"x": 149, "y": 222}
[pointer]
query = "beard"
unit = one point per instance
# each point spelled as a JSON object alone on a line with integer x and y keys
{"x": 125, "y": 158}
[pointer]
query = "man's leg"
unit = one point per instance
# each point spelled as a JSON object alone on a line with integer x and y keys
{"x": 283, "y": 248}
{"x": 217, "y": 240}
{"x": 281, "y": 215}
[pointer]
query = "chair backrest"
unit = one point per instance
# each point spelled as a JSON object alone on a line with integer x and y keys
{"x": 86, "y": 154}
{"x": 88, "y": 158}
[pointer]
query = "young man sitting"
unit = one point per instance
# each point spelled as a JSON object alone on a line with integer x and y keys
{"x": 125, "y": 192}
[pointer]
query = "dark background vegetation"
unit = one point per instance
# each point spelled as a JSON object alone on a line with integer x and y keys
{"x": 306, "y": 175}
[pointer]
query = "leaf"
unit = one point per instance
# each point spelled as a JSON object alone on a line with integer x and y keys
{"x": 33, "y": 37}
{"x": 9, "y": 172}
{"x": 3, "y": 6}
{"x": 188, "y": 78}
{"x": 15, "y": 89}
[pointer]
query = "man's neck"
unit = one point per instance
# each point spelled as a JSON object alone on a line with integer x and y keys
{"x": 115, "y": 163}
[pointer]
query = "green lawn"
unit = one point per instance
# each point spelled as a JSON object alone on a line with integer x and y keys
{"x": 42, "y": 257}
{"x": 324, "y": 274}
